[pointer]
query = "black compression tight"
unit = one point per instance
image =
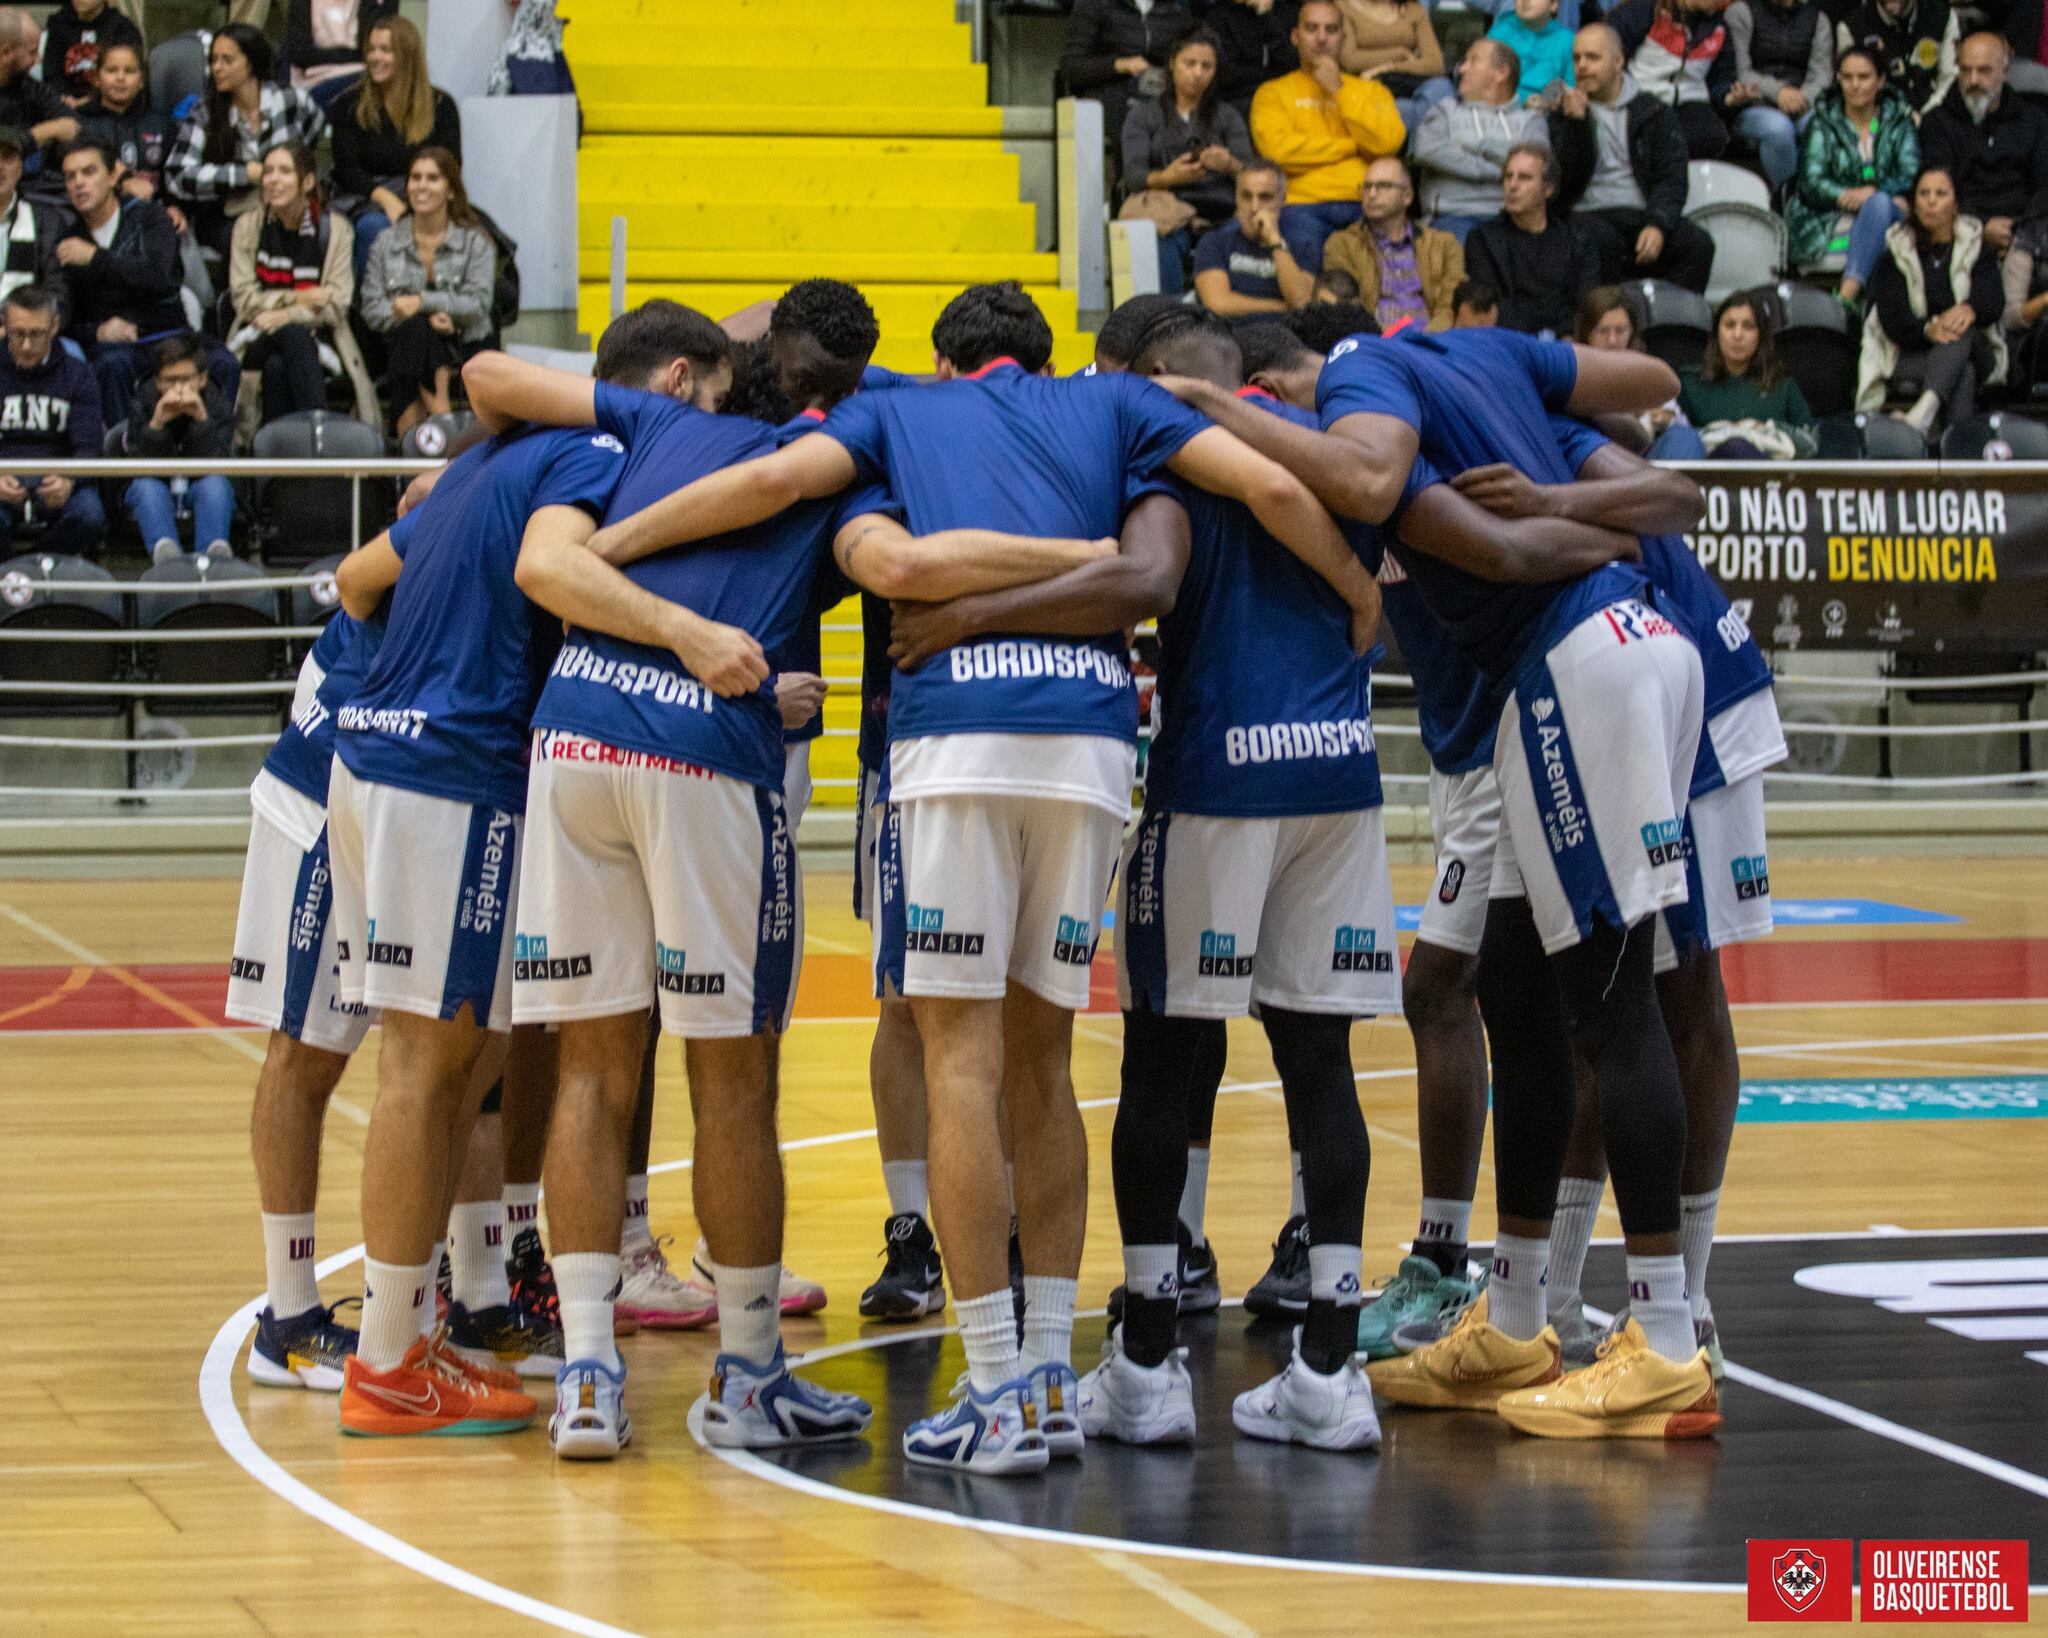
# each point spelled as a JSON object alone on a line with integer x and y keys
{"x": 1312, "y": 1051}
{"x": 1531, "y": 1051}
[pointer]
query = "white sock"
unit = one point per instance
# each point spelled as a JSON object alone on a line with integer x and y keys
{"x": 749, "y": 1310}
{"x": 1657, "y": 1302}
{"x": 988, "y": 1331}
{"x": 476, "y": 1249}
{"x": 1696, "y": 1241}
{"x": 428, "y": 1315}
{"x": 522, "y": 1210}
{"x": 1514, "y": 1296}
{"x": 588, "y": 1281}
{"x": 905, "y": 1181}
{"x": 288, "y": 1262}
{"x": 1297, "y": 1206}
{"x": 1333, "y": 1275}
{"x": 636, "y": 1231}
{"x": 1194, "y": 1193}
{"x": 393, "y": 1295}
{"x": 1571, "y": 1233}
{"x": 1048, "y": 1319}
{"x": 1150, "y": 1272}
{"x": 1443, "y": 1223}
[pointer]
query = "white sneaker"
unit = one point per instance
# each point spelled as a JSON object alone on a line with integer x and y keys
{"x": 994, "y": 1433}
{"x": 589, "y": 1424}
{"x": 654, "y": 1295}
{"x": 1057, "y": 1393}
{"x": 796, "y": 1296}
{"x": 1138, "y": 1404}
{"x": 165, "y": 551}
{"x": 752, "y": 1407}
{"x": 1304, "y": 1407}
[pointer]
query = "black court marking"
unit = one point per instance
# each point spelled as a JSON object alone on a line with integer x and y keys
{"x": 1465, "y": 1494}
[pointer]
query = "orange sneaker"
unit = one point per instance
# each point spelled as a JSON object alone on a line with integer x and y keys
{"x": 425, "y": 1394}
{"x": 488, "y": 1376}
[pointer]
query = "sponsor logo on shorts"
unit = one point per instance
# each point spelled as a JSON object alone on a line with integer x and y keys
{"x": 1752, "y": 877}
{"x": 1219, "y": 957}
{"x": 1664, "y": 840}
{"x": 1007, "y": 657}
{"x": 401, "y": 721}
{"x": 778, "y": 910}
{"x": 531, "y": 963}
{"x": 1543, "y": 708}
{"x": 1632, "y": 623}
{"x": 1297, "y": 741}
{"x": 1565, "y": 823}
{"x": 1453, "y": 882}
{"x": 675, "y": 977}
{"x": 925, "y": 931}
{"x": 553, "y": 745}
{"x": 245, "y": 969}
{"x": 383, "y": 953}
{"x": 309, "y": 915}
{"x": 1074, "y": 941}
{"x": 483, "y": 906}
{"x": 1357, "y": 952}
{"x": 341, "y": 949}
{"x": 1142, "y": 902}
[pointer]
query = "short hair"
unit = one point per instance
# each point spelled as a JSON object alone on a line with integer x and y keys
{"x": 1332, "y": 4}
{"x": 1188, "y": 329}
{"x": 654, "y": 335}
{"x": 1118, "y": 338}
{"x": 756, "y": 391}
{"x": 838, "y": 318}
{"x": 1601, "y": 300}
{"x": 1505, "y": 57}
{"x": 1252, "y": 167}
{"x": 1476, "y": 294}
{"x": 1272, "y": 346}
{"x": 182, "y": 348}
{"x": 1868, "y": 55}
{"x": 91, "y": 145}
{"x": 1322, "y": 324}
{"x": 1553, "y": 173}
{"x": 32, "y": 298}
{"x": 990, "y": 321}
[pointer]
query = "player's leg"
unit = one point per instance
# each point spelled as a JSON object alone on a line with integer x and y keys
{"x": 528, "y": 1108}
{"x": 1695, "y": 1004}
{"x": 1579, "y": 1192}
{"x": 651, "y": 1292}
{"x": 912, "y": 1282}
{"x": 1201, "y": 1283}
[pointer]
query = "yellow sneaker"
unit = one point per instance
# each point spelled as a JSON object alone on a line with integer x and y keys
{"x": 1469, "y": 1368}
{"x": 1628, "y": 1392}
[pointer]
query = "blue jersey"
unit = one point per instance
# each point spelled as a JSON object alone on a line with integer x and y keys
{"x": 1265, "y": 711}
{"x": 760, "y": 579}
{"x": 1457, "y": 708}
{"x": 1006, "y": 450}
{"x": 805, "y": 651}
{"x": 1475, "y": 397}
{"x": 445, "y": 706}
{"x": 304, "y": 752}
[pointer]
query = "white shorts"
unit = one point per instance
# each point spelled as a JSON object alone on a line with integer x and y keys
{"x": 1594, "y": 758}
{"x": 424, "y": 889}
{"x": 1464, "y": 817}
{"x": 1216, "y": 915}
{"x": 1728, "y": 875}
{"x": 647, "y": 877}
{"x": 867, "y": 835}
{"x": 796, "y": 779}
{"x": 974, "y": 892}
{"x": 284, "y": 975}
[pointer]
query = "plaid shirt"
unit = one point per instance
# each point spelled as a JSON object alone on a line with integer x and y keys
{"x": 284, "y": 114}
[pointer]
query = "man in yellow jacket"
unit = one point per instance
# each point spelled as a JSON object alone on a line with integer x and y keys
{"x": 1323, "y": 126}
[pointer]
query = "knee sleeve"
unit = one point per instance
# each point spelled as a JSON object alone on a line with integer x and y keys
{"x": 1312, "y": 1051}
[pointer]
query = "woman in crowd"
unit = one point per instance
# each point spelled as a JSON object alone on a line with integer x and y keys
{"x": 217, "y": 162}
{"x": 325, "y": 42}
{"x": 380, "y": 123}
{"x": 1182, "y": 151}
{"x": 1115, "y": 52}
{"x": 427, "y": 290}
{"x": 1745, "y": 406}
{"x": 1858, "y": 159}
{"x": 1392, "y": 41}
{"x": 121, "y": 117}
{"x": 1607, "y": 320}
{"x": 1935, "y": 331}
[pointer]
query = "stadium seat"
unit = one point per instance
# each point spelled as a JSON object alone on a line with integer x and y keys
{"x": 214, "y": 603}
{"x": 1749, "y": 247}
{"x": 1818, "y": 346}
{"x": 315, "y": 604}
{"x": 177, "y": 69}
{"x": 308, "y": 518}
{"x": 1868, "y": 438}
{"x": 432, "y": 438}
{"x": 25, "y": 607}
{"x": 1676, "y": 321}
{"x": 1710, "y": 182}
{"x": 1995, "y": 438}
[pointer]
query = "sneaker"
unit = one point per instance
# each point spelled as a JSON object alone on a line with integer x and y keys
{"x": 798, "y": 1295}
{"x": 1057, "y": 1392}
{"x": 444, "y": 1289}
{"x": 1469, "y": 1369}
{"x": 1629, "y": 1392}
{"x": 1405, "y": 1297}
{"x": 308, "y": 1350}
{"x": 1138, "y": 1404}
{"x": 218, "y": 549}
{"x": 1453, "y": 1295}
{"x": 1201, "y": 1289}
{"x": 913, "y": 1281}
{"x": 653, "y": 1295}
{"x": 751, "y": 1406}
{"x": 165, "y": 551}
{"x": 1282, "y": 1291}
{"x": 1578, "y": 1338}
{"x": 508, "y": 1338}
{"x": 490, "y": 1376}
{"x": 425, "y": 1394}
{"x": 1708, "y": 1335}
{"x": 995, "y": 1433}
{"x": 1305, "y": 1407}
{"x": 531, "y": 1279}
{"x": 589, "y": 1424}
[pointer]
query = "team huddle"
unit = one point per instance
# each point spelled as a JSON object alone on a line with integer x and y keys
{"x": 540, "y": 792}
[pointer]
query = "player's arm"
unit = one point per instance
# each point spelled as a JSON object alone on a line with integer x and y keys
{"x": 366, "y": 574}
{"x": 733, "y": 497}
{"x": 876, "y": 552}
{"x": 504, "y": 391}
{"x": 1138, "y": 583}
{"x": 1620, "y": 383}
{"x": 1448, "y": 525}
{"x": 1614, "y": 489}
{"x": 558, "y": 571}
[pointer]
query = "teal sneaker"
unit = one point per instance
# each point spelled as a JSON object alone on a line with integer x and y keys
{"x": 1408, "y": 1295}
{"x": 1435, "y": 1319}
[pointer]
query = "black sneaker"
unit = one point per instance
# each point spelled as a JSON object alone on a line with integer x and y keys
{"x": 1282, "y": 1291}
{"x": 506, "y": 1339}
{"x": 1200, "y": 1290}
{"x": 912, "y": 1283}
{"x": 531, "y": 1279}
{"x": 444, "y": 1287}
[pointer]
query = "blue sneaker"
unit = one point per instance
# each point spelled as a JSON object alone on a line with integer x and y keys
{"x": 590, "y": 1423}
{"x": 1435, "y": 1315}
{"x": 1408, "y": 1295}
{"x": 1056, "y": 1391}
{"x": 750, "y": 1407}
{"x": 993, "y": 1433}
{"x": 306, "y": 1351}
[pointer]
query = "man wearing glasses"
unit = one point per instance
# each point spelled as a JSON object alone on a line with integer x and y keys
{"x": 49, "y": 410}
{"x": 1406, "y": 274}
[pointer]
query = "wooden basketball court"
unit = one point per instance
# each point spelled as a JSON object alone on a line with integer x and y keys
{"x": 1896, "y": 1035}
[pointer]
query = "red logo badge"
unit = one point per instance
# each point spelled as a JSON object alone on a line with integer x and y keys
{"x": 1799, "y": 1580}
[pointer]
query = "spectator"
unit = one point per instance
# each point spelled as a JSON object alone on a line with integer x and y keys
{"x": 1745, "y": 406}
{"x": 1259, "y": 261}
{"x": 29, "y": 229}
{"x": 1460, "y": 146}
{"x": 427, "y": 289}
{"x": 2026, "y": 305}
{"x": 1182, "y": 152}
{"x": 1608, "y": 322}
{"x": 292, "y": 276}
{"x": 1400, "y": 271}
{"x": 1322, "y": 126}
{"x": 1859, "y": 160}
{"x": 78, "y": 34}
{"x": 1542, "y": 46}
{"x": 216, "y": 167}
{"x": 1115, "y": 51}
{"x": 1258, "y": 45}
{"x": 1994, "y": 144}
{"x": 1677, "y": 53}
{"x": 380, "y": 122}
{"x": 179, "y": 415}
{"x": 28, "y": 105}
{"x": 122, "y": 118}
{"x": 1475, "y": 306}
{"x": 1915, "y": 40}
{"x": 1391, "y": 41}
{"x": 1934, "y": 332}
{"x": 326, "y": 42}
{"x": 1538, "y": 264}
{"x": 49, "y": 410}
{"x": 1784, "y": 64}
{"x": 1624, "y": 161}
{"x": 532, "y": 64}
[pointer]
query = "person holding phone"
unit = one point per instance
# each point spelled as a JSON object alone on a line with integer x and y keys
{"x": 177, "y": 414}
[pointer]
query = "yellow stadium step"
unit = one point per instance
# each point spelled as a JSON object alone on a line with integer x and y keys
{"x": 617, "y": 73}
{"x": 691, "y": 49}
{"x": 743, "y": 224}
{"x": 794, "y": 170}
{"x": 691, "y": 265}
{"x": 765, "y": 15}
{"x": 902, "y": 310}
{"x": 777, "y": 119}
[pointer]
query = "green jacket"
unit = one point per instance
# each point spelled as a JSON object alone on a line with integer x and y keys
{"x": 1734, "y": 399}
{"x": 1829, "y": 164}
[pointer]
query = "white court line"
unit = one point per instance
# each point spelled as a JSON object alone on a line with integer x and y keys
{"x": 1171, "y": 1593}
